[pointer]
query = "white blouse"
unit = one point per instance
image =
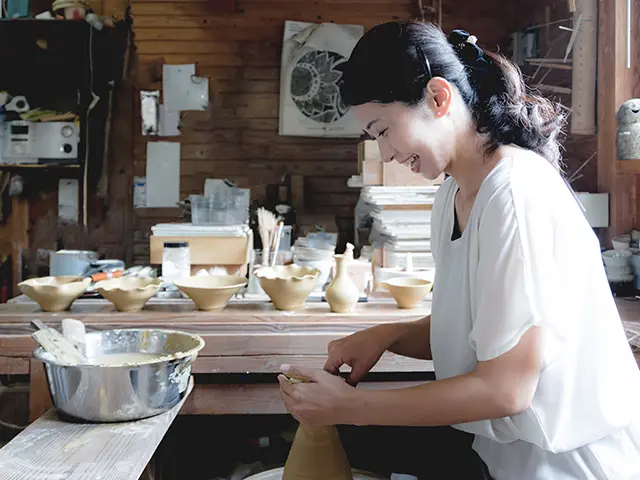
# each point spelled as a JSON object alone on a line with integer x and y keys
{"x": 529, "y": 257}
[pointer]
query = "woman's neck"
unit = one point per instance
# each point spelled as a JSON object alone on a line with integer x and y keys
{"x": 470, "y": 166}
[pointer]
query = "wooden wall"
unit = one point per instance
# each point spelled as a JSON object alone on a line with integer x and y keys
{"x": 617, "y": 84}
{"x": 240, "y": 53}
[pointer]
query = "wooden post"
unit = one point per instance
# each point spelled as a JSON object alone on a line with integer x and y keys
{"x": 19, "y": 238}
{"x": 39, "y": 398}
{"x": 616, "y": 84}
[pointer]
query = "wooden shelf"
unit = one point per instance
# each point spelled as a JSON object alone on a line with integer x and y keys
{"x": 628, "y": 166}
{"x": 18, "y": 166}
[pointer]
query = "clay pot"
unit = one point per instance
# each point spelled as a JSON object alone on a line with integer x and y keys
{"x": 342, "y": 295}
{"x": 317, "y": 453}
{"x": 54, "y": 294}
{"x": 211, "y": 292}
{"x": 288, "y": 286}
{"x": 408, "y": 292}
{"x": 129, "y": 294}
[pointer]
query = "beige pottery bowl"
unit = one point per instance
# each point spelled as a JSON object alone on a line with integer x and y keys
{"x": 54, "y": 294}
{"x": 129, "y": 294}
{"x": 408, "y": 292}
{"x": 211, "y": 292}
{"x": 288, "y": 286}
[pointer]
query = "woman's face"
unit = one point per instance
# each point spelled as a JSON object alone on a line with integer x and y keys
{"x": 412, "y": 136}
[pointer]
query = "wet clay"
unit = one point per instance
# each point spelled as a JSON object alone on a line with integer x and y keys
{"x": 133, "y": 358}
{"x": 316, "y": 454}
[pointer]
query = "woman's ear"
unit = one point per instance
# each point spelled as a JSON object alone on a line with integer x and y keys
{"x": 439, "y": 96}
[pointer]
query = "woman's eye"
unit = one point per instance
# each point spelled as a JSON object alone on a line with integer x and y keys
{"x": 383, "y": 132}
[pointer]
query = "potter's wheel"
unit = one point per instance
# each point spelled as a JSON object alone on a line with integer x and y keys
{"x": 276, "y": 474}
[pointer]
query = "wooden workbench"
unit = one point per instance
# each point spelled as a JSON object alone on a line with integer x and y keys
{"x": 246, "y": 344}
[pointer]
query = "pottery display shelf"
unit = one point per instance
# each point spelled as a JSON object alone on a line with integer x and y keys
{"x": 246, "y": 343}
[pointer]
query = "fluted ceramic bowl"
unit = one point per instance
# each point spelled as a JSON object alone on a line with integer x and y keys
{"x": 54, "y": 294}
{"x": 288, "y": 286}
{"x": 129, "y": 294}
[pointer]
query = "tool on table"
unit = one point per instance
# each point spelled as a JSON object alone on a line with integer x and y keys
{"x": 57, "y": 346}
{"x": 266, "y": 226}
{"x": 277, "y": 234}
{"x": 74, "y": 331}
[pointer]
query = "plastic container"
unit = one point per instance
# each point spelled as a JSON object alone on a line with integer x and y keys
{"x": 228, "y": 207}
{"x": 176, "y": 263}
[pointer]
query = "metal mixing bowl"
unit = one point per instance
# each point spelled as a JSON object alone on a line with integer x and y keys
{"x": 116, "y": 393}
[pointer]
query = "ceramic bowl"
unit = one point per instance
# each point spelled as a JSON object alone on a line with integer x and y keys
{"x": 621, "y": 242}
{"x": 129, "y": 294}
{"x": 616, "y": 258}
{"x": 54, "y": 294}
{"x": 408, "y": 292}
{"x": 288, "y": 286}
{"x": 211, "y": 292}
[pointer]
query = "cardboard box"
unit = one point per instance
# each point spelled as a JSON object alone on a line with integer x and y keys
{"x": 207, "y": 250}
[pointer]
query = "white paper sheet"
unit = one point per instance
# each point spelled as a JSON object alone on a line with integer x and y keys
{"x": 163, "y": 174}
{"x": 68, "y": 191}
{"x": 169, "y": 122}
{"x": 182, "y": 89}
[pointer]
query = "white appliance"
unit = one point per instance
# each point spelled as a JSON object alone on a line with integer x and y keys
{"x": 27, "y": 142}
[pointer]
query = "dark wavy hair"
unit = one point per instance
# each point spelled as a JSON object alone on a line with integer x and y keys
{"x": 394, "y": 61}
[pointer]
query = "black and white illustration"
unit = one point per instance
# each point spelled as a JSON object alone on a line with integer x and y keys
{"x": 313, "y": 57}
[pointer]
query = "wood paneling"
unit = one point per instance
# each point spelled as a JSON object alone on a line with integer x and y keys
{"x": 240, "y": 53}
{"x": 616, "y": 84}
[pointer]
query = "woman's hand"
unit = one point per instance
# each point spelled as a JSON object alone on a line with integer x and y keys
{"x": 324, "y": 399}
{"x": 361, "y": 351}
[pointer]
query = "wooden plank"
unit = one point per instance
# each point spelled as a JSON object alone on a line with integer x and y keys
{"x": 14, "y": 366}
{"x": 253, "y": 399}
{"x": 176, "y": 46}
{"x": 335, "y": 152}
{"x": 39, "y": 398}
{"x": 274, "y": 10}
{"x": 262, "y": 364}
{"x": 297, "y": 166}
{"x": 52, "y": 448}
{"x": 255, "y": 20}
{"x": 628, "y": 166}
{"x": 208, "y": 34}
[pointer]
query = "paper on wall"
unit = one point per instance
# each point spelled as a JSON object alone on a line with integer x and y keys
{"x": 68, "y": 192}
{"x": 182, "y": 89}
{"x": 169, "y": 122}
{"x": 163, "y": 174}
{"x": 313, "y": 57}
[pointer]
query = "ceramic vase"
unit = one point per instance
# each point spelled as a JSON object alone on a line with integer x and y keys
{"x": 342, "y": 295}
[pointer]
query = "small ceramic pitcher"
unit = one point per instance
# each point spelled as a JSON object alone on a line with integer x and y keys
{"x": 342, "y": 295}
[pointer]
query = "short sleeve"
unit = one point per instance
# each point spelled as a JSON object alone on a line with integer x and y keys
{"x": 507, "y": 296}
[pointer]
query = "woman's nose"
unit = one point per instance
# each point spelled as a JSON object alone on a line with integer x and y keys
{"x": 386, "y": 153}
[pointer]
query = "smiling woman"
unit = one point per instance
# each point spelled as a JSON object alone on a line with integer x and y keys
{"x": 388, "y": 73}
{"x": 528, "y": 348}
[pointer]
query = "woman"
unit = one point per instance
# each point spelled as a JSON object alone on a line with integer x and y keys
{"x": 528, "y": 348}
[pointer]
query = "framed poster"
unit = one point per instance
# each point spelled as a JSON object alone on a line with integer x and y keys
{"x": 313, "y": 58}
